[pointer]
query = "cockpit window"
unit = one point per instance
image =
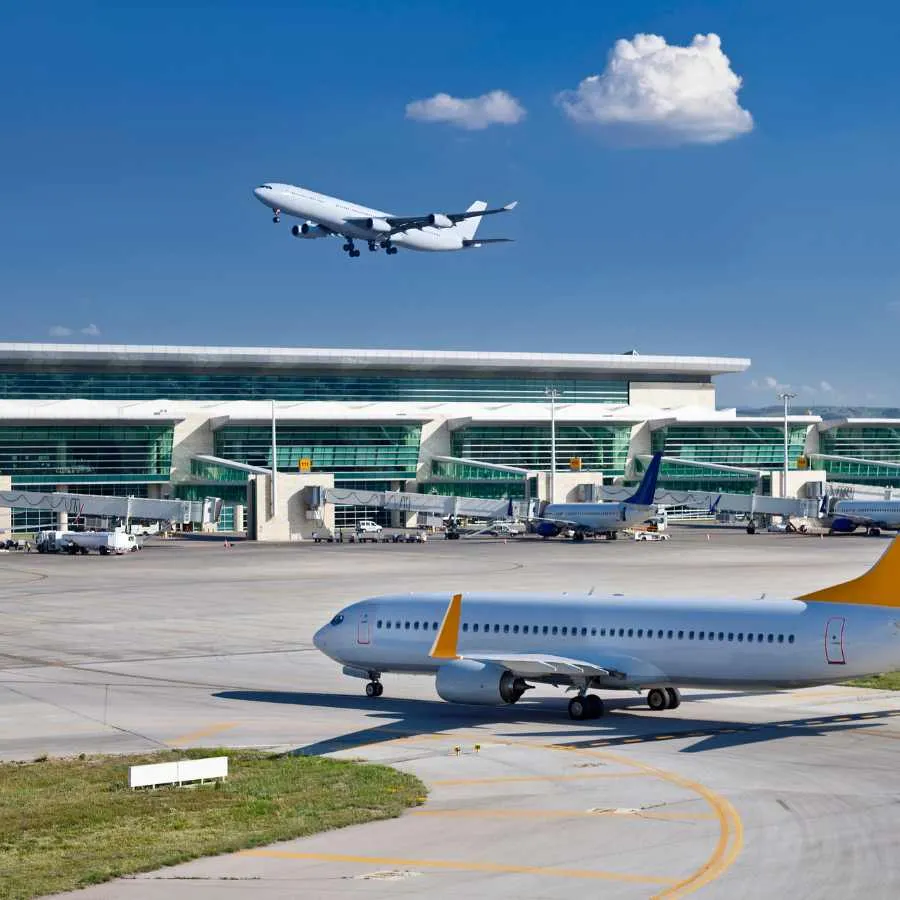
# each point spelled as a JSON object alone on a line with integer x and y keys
{"x": 338, "y": 619}
{"x": 265, "y": 187}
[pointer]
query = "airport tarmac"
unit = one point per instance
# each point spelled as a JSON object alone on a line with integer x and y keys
{"x": 732, "y": 795}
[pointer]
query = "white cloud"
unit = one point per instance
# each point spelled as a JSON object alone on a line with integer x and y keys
{"x": 91, "y": 330}
{"x": 825, "y": 387}
{"x": 472, "y": 113}
{"x": 59, "y": 331}
{"x": 652, "y": 92}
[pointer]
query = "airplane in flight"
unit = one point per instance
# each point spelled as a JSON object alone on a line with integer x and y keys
{"x": 329, "y": 216}
{"x": 608, "y": 519}
{"x": 873, "y": 515}
{"x": 489, "y": 649}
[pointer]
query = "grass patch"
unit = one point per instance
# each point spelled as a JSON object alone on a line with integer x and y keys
{"x": 890, "y": 681}
{"x": 67, "y": 823}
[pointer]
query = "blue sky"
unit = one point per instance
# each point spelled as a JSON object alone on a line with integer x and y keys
{"x": 132, "y": 139}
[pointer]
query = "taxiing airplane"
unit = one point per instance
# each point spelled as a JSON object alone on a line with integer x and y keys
{"x": 873, "y": 515}
{"x": 607, "y": 519}
{"x": 326, "y": 216}
{"x": 490, "y": 649}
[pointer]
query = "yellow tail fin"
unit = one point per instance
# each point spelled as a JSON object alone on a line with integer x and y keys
{"x": 444, "y": 646}
{"x": 880, "y": 586}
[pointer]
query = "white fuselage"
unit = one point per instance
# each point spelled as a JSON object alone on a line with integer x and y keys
{"x": 334, "y": 214}
{"x": 600, "y": 516}
{"x": 880, "y": 513}
{"x": 726, "y": 643}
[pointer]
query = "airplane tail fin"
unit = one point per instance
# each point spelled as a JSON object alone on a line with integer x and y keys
{"x": 643, "y": 496}
{"x": 880, "y": 586}
{"x": 468, "y": 227}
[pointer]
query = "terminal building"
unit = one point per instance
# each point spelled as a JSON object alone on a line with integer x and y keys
{"x": 191, "y": 422}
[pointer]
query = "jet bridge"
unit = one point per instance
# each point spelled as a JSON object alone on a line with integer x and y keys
{"x": 180, "y": 511}
{"x": 435, "y": 504}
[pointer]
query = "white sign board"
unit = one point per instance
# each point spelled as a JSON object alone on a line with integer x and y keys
{"x": 178, "y": 772}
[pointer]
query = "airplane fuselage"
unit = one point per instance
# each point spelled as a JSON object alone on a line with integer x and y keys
{"x": 871, "y": 513}
{"x": 600, "y": 517}
{"x": 336, "y": 215}
{"x": 724, "y": 643}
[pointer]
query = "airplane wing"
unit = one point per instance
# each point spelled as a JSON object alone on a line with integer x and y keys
{"x": 543, "y": 666}
{"x": 533, "y": 665}
{"x": 402, "y": 223}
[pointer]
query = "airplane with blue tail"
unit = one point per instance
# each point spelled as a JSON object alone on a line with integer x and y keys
{"x": 849, "y": 515}
{"x": 606, "y": 519}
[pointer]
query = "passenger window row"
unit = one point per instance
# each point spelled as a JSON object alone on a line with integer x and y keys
{"x": 670, "y": 634}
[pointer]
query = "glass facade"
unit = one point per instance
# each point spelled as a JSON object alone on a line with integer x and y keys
{"x": 42, "y": 384}
{"x": 388, "y": 451}
{"x": 85, "y": 454}
{"x": 875, "y": 442}
{"x": 602, "y": 448}
{"x": 753, "y": 446}
{"x": 451, "y": 479}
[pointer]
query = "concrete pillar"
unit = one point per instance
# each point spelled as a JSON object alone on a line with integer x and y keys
{"x": 62, "y": 517}
{"x": 5, "y": 511}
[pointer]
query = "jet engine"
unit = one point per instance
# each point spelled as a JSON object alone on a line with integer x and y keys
{"x": 470, "y": 681}
{"x": 309, "y": 230}
{"x": 439, "y": 220}
{"x": 378, "y": 225}
{"x": 547, "y": 529}
{"x": 843, "y": 525}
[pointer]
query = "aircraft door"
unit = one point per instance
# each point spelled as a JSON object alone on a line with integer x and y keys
{"x": 362, "y": 629}
{"x": 834, "y": 641}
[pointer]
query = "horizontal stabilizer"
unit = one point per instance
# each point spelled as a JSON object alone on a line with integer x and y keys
{"x": 477, "y": 242}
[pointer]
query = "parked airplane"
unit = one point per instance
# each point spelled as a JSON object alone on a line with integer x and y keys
{"x": 489, "y": 648}
{"x": 326, "y": 216}
{"x": 874, "y": 515}
{"x": 602, "y": 518}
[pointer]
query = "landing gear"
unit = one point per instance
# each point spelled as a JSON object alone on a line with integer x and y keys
{"x": 388, "y": 246}
{"x": 350, "y": 249}
{"x": 578, "y": 536}
{"x": 372, "y": 246}
{"x": 374, "y": 689}
{"x": 585, "y": 706}
{"x": 277, "y": 217}
{"x": 873, "y": 532}
{"x": 391, "y": 251}
{"x": 659, "y": 699}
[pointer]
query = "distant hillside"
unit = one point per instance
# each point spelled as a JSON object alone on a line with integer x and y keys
{"x": 826, "y": 412}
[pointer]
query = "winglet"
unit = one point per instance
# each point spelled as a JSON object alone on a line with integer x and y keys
{"x": 510, "y": 206}
{"x": 444, "y": 646}
{"x": 880, "y": 586}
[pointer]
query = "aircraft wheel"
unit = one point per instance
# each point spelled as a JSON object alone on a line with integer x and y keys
{"x": 391, "y": 250}
{"x": 578, "y": 709}
{"x": 354, "y": 253}
{"x": 374, "y": 689}
{"x": 657, "y": 699}
{"x": 674, "y": 697}
{"x": 594, "y": 706}
{"x": 348, "y": 247}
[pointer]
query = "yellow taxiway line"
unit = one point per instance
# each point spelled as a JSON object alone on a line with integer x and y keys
{"x": 208, "y": 731}
{"x": 463, "y": 866}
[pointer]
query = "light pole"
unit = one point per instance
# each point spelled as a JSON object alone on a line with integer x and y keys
{"x": 553, "y": 394}
{"x": 786, "y": 397}
{"x": 274, "y": 464}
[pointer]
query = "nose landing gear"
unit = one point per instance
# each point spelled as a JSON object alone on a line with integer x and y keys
{"x": 277, "y": 217}
{"x": 374, "y": 689}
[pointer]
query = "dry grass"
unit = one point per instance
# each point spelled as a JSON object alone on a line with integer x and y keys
{"x": 67, "y": 823}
